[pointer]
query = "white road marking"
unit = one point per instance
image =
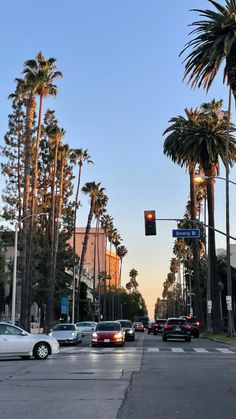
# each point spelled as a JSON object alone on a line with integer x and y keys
{"x": 177, "y": 349}
{"x": 201, "y": 350}
{"x": 153, "y": 349}
{"x": 225, "y": 350}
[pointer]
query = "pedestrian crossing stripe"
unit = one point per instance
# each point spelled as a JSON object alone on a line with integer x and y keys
{"x": 127, "y": 350}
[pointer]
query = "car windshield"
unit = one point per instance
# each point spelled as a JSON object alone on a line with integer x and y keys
{"x": 64, "y": 327}
{"x": 108, "y": 326}
{"x": 125, "y": 323}
{"x": 176, "y": 321}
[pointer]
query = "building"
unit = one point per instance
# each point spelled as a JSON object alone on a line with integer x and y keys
{"x": 222, "y": 252}
{"x": 97, "y": 258}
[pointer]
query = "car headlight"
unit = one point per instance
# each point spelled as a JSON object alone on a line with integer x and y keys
{"x": 130, "y": 332}
{"x": 73, "y": 334}
{"x": 50, "y": 334}
{"x": 118, "y": 335}
{"x": 94, "y": 335}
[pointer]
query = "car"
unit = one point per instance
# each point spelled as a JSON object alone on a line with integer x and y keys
{"x": 16, "y": 342}
{"x": 151, "y": 326}
{"x": 108, "y": 333}
{"x": 86, "y": 327}
{"x": 128, "y": 328}
{"x": 66, "y": 333}
{"x": 138, "y": 327}
{"x": 176, "y": 328}
{"x": 156, "y": 327}
{"x": 144, "y": 320}
{"x": 194, "y": 323}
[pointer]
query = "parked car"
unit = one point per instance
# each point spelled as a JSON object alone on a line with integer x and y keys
{"x": 15, "y": 341}
{"x": 108, "y": 333}
{"x": 86, "y": 327}
{"x": 128, "y": 328}
{"x": 156, "y": 327}
{"x": 194, "y": 323}
{"x": 138, "y": 327}
{"x": 66, "y": 333}
{"x": 176, "y": 328}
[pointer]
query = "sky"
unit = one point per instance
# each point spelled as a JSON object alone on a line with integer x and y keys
{"x": 122, "y": 83}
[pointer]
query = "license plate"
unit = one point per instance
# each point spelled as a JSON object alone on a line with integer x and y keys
{"x": 106, "y": 340}
{"x": 177, "y": 328}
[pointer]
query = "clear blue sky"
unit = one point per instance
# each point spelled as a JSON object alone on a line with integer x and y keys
{"x": 122, "y": 83}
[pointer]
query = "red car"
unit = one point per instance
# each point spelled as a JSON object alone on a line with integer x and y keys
{"x": 139, "y": 327}
{"x": 108, "y": 333}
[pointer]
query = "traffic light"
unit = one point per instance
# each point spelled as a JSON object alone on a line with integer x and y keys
{"x": 150, "y": 223}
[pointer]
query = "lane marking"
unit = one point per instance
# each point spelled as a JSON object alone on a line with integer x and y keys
{"x": 201, "y": 350}
{"x": 153, "y": 349}
{"x": 225, "y": 350}
{"x": 177, "y": 350}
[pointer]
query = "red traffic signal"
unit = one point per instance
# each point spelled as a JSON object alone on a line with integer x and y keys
{"x": 150, "y": 223}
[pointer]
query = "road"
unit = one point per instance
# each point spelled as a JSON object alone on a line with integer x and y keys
{"x": 147, "y": 378}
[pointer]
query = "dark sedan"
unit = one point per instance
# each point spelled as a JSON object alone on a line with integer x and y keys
{"x": 156, "y": 327}
{"x": 128, "y": 328}
{"x": 176, "y": 328}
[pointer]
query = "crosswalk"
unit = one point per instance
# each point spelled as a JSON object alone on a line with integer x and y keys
{"x": 139, "y": 349}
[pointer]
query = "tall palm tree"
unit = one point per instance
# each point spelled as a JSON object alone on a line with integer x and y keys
{"x": 213, "y": 44}
{"x": 174, "y": 147}
{"x": 26, "y": 91}
{"x": 121, "y": 253}
{"x": 78, "y": 156}
{"x": 55, "y": 136}
{"x": 203, "y": 142}
{"x": 93, "y": 190}
{"x": 41, "y": 73}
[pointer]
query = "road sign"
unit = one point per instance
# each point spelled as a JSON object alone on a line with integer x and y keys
{"x": 189, "y": 233}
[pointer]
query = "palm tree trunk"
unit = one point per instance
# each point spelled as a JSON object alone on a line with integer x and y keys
{"x": 25, "y": 315}
{"x": 217, "y": 323}
{"x": 85, "y": 244}
{"x": 195, "y": 250}
{"x": 74, "y": 250}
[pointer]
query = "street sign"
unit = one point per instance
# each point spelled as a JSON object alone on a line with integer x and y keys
{"x": 209, "y": 306}
{"x": 189, "y": 233}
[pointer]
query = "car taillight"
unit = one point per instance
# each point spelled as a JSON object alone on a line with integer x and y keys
{"x": 197, "y": 323}
{"x": 167, "y": 326}
{"x": 187, "y": 326}
{"x": 156, "y": 325}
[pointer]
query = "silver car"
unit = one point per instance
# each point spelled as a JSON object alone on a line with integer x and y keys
{"x": 87, "y": 328}
{"x": 15, "y": 341}
{"x": 66, "y": 333}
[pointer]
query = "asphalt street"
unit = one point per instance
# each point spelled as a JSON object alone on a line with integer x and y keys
{"x": 147, "y": 378}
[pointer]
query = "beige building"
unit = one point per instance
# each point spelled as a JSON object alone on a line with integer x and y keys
{"x": 97, "y": 258}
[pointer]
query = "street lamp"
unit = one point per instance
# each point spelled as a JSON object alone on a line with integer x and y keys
{"x": 13, "y": 302}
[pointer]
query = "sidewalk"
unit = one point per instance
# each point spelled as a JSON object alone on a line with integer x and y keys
{"x": 222, "y": 338}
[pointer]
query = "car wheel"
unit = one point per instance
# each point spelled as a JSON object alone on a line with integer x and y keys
{"x": 149, "y": 332}
{"x": 188, "y": 339}
{"x": 164, "y": 338}
{"x": 155, "y": 333}
{"x": 197, "y": 335}
{"x": 41, "y": 350}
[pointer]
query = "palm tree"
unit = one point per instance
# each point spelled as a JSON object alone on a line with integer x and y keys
{"x": 41, "y": 73}
{"x": 203, "y": 142}
{"x": 79, "y": 156}
{"x": 26, "y": 91}
{"x": 55, "y": 136}
{"x": 215, "y": 42}
{"x": 121, "y": 252}
{"x": 107, "y": 226}
{"x": 174, "y": 147}
{"x": 133, "y": 273}
{"x": 94, "y": 190}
